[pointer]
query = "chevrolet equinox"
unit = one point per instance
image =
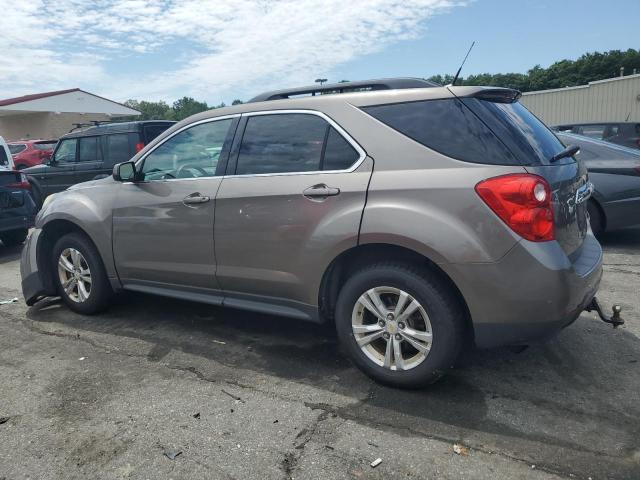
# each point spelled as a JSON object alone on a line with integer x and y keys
{"x": 419, "y": 219}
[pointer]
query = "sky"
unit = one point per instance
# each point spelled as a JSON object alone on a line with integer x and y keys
{"x": 221, "y": 50}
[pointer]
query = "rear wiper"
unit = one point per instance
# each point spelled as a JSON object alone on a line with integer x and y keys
{"x": 570, "y": 151}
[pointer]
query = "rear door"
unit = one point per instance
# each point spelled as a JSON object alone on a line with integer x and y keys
{"x": 89, "y": 165}
{"x": 292, "y": 199}
{"x": 163, "y": 225}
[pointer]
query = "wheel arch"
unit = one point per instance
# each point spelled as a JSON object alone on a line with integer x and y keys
{"x": 357, "y": 257}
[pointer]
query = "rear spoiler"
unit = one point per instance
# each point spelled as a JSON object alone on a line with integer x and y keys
{"x": 490, "y": 94}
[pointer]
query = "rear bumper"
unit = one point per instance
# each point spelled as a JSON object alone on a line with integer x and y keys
{"x": 34, "y": 283}
{"x": 531, "y": 293}
{"x": 18, "y": 218}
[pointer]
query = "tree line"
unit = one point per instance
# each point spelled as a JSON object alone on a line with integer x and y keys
{"x": 564, "y": 73}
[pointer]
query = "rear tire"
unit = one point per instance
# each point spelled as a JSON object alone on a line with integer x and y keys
{"x": 596, "y": 218}
{"x": 77, "y": 263}
{"x": 14, "y": 237}
{"x": 441, "y": 332}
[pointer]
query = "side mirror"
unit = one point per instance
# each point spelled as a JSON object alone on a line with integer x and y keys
{"x": 124, "y": 172}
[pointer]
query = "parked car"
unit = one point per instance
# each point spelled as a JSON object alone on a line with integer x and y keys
{"x": 418, "y": 218}
{"x": 615, "y": 174}
{"x": 626, "y": 134}
{"x": 91, "y": 153}
{"x": 6, "y": 160}
{"x": 28, "y": 153}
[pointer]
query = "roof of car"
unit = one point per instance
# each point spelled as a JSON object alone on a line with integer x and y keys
{"x": 121, "y": 127}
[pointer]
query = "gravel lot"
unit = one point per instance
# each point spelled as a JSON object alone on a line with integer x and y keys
{"x": 243, "y": 396}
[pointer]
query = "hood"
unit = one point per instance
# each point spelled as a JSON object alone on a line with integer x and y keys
{"x": 36, "y": 169}
{"x": 92, "y": 183}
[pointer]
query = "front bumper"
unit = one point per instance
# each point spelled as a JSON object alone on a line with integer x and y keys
{"x": 531, "y": 293}
{"x": 36, "y": 284}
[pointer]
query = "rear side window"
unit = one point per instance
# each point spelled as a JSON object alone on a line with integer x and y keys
{"x": 338, "y": 154}
{"x": 117, "y": 147}
{"x": 89, "y": 150}
{"x": 17, "y": 148}
{"x": 281, "y": 143}
{"x": 446, "y": 126}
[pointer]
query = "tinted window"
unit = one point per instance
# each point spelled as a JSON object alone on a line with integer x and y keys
{"x": 281, "y": 143}
{"x": 89, "y": 149}
{"x": 16, "y": 148}
{"x": 3, "y": 157}
{"x": 152, "y": 131}
{"x": 527, "y": 138}
{"x": 117, "y": 148}
{"x": 446, "y": 126}
{"x": 338, "y": 154}
{"x": 189, "y": 154}
{"x": 66, "y": 151}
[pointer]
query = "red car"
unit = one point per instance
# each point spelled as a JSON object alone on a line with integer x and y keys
{"x": 27, "y": 153}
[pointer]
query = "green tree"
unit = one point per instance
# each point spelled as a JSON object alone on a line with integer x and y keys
{"x": 187, "y": 106}
{"x": 237, "y": 102}
{"x": 150, "y": 110}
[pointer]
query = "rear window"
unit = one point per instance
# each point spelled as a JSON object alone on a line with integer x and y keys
{"x": 16, "y": 148}
{"x": 528, "y": 139}
{"x": 446, "y": 126}
{"x": 152, "y": 131}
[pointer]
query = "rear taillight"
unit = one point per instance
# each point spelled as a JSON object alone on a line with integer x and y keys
{"x": 23, "y": 183}
{"x": 523, "y": 202}
{"x": 139, "y": 146}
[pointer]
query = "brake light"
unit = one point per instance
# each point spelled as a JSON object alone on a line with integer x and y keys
{"x": 523, "y": 202}
{"x": 22, "y": 184}
{"x": 139, "y": 146}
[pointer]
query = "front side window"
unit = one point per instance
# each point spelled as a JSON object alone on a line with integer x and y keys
{"x": 89, "y": 149}
{"x": 66, "y": 151}
{"x": 292, "y": 143}
{"x": 16, "y": 148}
{"x": 192, "y": 153}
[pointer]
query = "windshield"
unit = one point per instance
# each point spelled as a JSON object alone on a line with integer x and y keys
{"x": 15, "y": 148}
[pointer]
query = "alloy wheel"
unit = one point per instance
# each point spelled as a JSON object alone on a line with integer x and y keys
{"x": 392, "y": 328}
{"x": 74, "y": 274}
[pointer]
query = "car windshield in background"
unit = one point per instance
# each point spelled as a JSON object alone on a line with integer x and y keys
{"x": 527, "y": 137}
{"x": 16, "y": 148}
{"x": 44, "y": 145}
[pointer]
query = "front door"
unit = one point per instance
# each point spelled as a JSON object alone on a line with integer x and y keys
{"x": 60, "y": 172}
{"x": 163, "y": 224}
{"x": 292, "y": 201}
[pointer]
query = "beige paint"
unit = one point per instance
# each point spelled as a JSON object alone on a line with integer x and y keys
{"x": 43, "y": 124}
{"x": 611, "y": 100}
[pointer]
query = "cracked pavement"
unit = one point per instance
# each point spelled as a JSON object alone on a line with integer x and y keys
{"x": 243, "y": 395}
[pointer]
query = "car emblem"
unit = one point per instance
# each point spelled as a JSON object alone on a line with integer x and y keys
{"x": 583, "y": 193}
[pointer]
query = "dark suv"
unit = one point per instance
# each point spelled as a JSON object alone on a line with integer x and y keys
{"x": 622, "y": 133}
{"x": 91, "y": 154}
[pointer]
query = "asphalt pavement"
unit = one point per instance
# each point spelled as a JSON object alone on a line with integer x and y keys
{"x": 159, "y": 388}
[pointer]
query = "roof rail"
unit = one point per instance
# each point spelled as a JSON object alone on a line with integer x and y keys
{"x": 345, "y": 87}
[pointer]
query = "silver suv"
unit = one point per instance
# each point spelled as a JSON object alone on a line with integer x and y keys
{"x": 418, "y": 218}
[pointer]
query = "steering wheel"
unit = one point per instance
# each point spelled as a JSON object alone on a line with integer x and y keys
{"x": 186, "y": 166}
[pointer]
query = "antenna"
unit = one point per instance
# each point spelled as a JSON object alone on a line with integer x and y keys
{"x": 453, "y": 82}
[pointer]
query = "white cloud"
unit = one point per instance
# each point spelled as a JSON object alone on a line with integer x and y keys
{"x": 224, "y": 47}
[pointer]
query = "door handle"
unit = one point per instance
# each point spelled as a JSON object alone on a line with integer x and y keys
{"x": 320, "y": 191}
{"x": 195, "y": 199}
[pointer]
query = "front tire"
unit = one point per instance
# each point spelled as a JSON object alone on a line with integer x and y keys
{"x": 79, "y": 274}
{"x": 401, "y": 326}
{"x": 13, "y": 238}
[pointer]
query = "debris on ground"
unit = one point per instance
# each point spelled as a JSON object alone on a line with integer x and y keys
{"x": 460, "y": 449}
{"x": 220, "y": 342}
{"x": 172, "y": 454}
{"x": 275, "y": 421}
{"x": 4, "y": 420}
{"x": 5, "y": 302}
{"x": 82, "y": 358}
{"x": 196, "y": 415}
{"x": 376, "y": 462}
{"x": 372, "y": 444}
{"x": 235, "y": 397}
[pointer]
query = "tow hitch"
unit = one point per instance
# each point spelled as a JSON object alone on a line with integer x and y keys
{"x": 614, "y": 319}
